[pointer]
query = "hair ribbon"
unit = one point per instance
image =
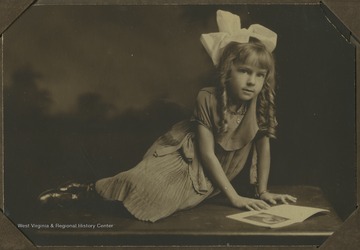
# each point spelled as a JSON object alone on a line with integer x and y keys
{"x": 230, "y": 31}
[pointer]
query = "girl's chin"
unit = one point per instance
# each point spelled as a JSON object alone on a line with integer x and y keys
{"x": 245, "y": 98}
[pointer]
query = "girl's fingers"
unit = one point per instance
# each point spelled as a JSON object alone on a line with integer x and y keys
{"x": 249, "y": 208}
{"x": 262, "y": 205}
{"x": 256, "y": 207}
{"x": 283, "y": 199}
{"x": 266, "y": 206}
{"x": 273, "y": 201}
{"x": 291, "y": 198}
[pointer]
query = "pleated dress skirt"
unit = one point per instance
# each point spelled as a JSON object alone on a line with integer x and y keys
{"x": 155, "y": 188}
{"x": 158, "y": 186}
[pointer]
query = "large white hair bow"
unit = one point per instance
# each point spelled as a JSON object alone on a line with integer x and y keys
{"x": 230, "y": 31}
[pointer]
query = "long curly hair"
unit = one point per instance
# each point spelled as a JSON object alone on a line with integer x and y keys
{"x": 253, "y": 53}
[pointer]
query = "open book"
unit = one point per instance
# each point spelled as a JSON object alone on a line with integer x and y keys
{"x": 277, "y": 216}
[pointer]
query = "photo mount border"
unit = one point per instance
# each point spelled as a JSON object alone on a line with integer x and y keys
{"x": 340, "y": 13}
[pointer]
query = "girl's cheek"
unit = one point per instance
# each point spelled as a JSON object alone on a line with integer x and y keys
{"x": 259, "y": 89}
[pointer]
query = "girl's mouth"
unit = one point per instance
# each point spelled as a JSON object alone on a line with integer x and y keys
{"x": 248, "y": 91}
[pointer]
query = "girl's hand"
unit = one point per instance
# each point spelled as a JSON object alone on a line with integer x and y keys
{"x": 248, "y": 203}
{"x": 273, "y": 198}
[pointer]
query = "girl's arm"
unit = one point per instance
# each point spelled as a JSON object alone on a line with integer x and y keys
{"x": 263, "y": 151}
{"x": 209, "y": 160}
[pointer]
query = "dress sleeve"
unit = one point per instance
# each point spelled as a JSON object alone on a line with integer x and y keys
{"x": 202, "y": 110}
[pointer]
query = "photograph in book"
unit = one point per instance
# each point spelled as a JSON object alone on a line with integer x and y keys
{"x": 124, "y": 123}
{"x": 277, "y": 216}
{"x": 266, "y": 218}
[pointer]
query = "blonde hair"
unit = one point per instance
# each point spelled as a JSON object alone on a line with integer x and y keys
{"x": 253, "y": 53}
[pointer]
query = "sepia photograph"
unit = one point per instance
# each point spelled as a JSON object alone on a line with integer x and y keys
{"x": 267, "y": 218}
{"x": 151, "y": 125}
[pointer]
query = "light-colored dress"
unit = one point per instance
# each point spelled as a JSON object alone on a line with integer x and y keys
{"x": 170, "y": 176}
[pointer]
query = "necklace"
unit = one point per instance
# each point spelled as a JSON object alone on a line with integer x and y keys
{"x": 239, "y": 113}
{"x": 238, "y": 120}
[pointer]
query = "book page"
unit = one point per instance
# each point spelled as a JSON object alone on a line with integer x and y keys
{"x": 297, "y": 213}
{"x": 277, "y": 216}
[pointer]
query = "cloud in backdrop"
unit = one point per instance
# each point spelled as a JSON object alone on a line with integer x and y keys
{"x": 129, "y": 56}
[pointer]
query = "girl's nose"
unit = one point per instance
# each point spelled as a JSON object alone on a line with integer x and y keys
{"x": 251, "y": 79}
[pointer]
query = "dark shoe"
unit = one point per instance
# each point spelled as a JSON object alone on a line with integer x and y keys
{"x": 53, "y": 197}
{"x": 84, "y": 191}
{"x": 76, "y": 187}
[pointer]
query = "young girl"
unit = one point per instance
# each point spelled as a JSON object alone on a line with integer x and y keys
{"x": 199, "y": 157}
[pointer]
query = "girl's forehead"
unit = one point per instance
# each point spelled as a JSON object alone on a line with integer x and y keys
{"x": 251, "y": 67}
{"x": 258, "y": 60}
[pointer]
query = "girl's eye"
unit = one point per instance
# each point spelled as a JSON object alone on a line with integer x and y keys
{"x": 262, "y": 75}
{"x": 242, "y": 70}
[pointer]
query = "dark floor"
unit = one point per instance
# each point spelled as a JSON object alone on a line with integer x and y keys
{"x": 206, "y": 224}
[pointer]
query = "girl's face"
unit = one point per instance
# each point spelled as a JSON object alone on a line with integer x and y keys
{"x": 246, "y": 81}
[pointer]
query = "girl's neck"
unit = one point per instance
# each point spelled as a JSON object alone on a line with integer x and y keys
{"x": 235, "y": 106}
